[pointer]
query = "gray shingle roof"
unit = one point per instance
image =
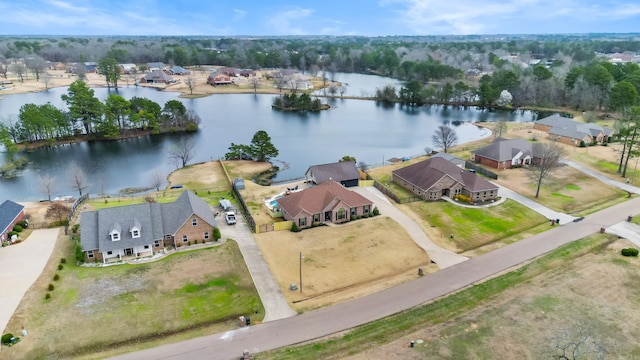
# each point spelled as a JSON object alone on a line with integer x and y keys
{"x": 452, "y": 159}
{"x": 154, "y": 220}
{"x": 9, "y": 210}
{"x": 505, "y": 149}
{"x": 339, "y": 171}
{"x": 563, "y": 126}
{"x": 427, "y": 173}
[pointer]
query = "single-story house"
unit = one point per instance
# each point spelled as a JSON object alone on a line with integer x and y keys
{"x": 507, "y": 153}
{"x": 10, "y": 214}
{"x": 142, "y": 229}
{"x": 567, "y": 131}
{"x": 452, "y": 159}
{"x": 128, "y": 68}
{"x": 344, "y": 172}
{"x": 247, "y": 73}
{"x": 178, "y": 70}
{"x": 59, "y": 66}
{"x": 229, "y": 71}
{"x": 156, "y": 77}
{"x": 329, "y": 202}
{"x": 91, "y": 69}
{"x": 155, "y": 66}
{"x": 436, "y": 177}
{"x": 219, "y": 78}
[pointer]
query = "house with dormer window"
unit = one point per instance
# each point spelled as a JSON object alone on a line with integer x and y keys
{"x": 139, "y": 230}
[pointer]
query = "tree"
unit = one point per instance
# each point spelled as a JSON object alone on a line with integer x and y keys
{"x": 261, "y": 147}
{"x": 500, "y": 128}
{"x": 57, "y": 211}
{"x": 37, "y": 65}
{"x": 83, "y": 105}
{"x": 181, "y": 152}
{"x": 505, "y": 98}
{"x": 191, "y": 83}
{"x": 110, "y": 68}
{"x": 623, "y": 95}
{"x": 238, "y": 152}
{"x": 48, "y": 185}
{"x": 157, "y": 179}
{"x": 20, "y": 70}
{"x": 549, "y": 156}
{"x": 78, "y": 178}
{"x": 412, "y": 93}
{"x": 347, "y": 158}
{"x": 444, "y": 137}
{"x": 633, "y": 116}
{"x": 254, "y": 84}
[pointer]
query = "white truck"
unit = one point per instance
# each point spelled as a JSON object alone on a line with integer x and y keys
{"x": 230, "y": 217}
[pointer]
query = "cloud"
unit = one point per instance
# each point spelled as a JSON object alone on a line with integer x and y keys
{"x": 288, "y": 22}
{"x": 64, "y": 5}
{"x": 239, "y": 14}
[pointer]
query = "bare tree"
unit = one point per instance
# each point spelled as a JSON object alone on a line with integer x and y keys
{"x": 549, "y": 156}
{"x": 254, "y": 84}
{"x": 181, "y": 153}
{"x": 78, "y": 178}
{"x": 46, "y": 78}
{"x": 280, "y": 83}
{"x": 37, "y": 65}
{"x": 3, "y": 70}
{"x": 500, "y": 127}
{"x": 57, "y": 211}
{"x": 342, "y": 89}
{"x": 20, "y": 70}
{"x": 190, "y": 81}
{"x": 48, "y": 185}
{"x": 156, "y": 180}
{"x": 444, "y": 137}
{"x": 333, "y": 89}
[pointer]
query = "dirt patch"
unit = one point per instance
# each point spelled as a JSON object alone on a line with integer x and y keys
{"x": 342, "y": 262}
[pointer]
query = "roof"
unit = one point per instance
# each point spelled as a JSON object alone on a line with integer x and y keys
{"x": 9, "y": 210}
{"x": 154, "y": 220}
{"x": 156, "y": 65}
{"x": 452, "y": 159}
{"x": 505, "y": 149}
{"x": 320, "y": 198}
{"x": 157, "y": 75}
{"x": 427, "y": 173}
{"x": 574, "y": 129}
{"x": 339, "y": 171}
{"x": 179, "y": 70}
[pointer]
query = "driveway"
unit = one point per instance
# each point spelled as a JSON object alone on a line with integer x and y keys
{"x": 611, "y": 182}
{"x": 534, "y": 205}
{"x": 627, "y": 230}
{"x": 275, "y": 305}
{"x": 442, "y": 257}
{"x": 21, "y": 266}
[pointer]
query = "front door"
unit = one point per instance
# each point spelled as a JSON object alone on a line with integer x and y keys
{"x": 327, "y": 216}
{"x": 128, "y": 252}
{"x": 445, "y": 192}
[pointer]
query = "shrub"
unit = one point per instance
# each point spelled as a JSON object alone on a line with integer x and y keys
{"x": 51, "y": 287}
{"x": 79, "y": 253}
{"x": 6, "y": 338}
{"x": 63, "y": 261}
{"x": 23, "y": 223}
{"x": 216, "y": 234}
{"x": 195, "y": 241}
{"x": 17, "y": 228}
{"x": 191, "y": 127}
{"x": 582, "y": 144}
{"x": 56, "y": 277}
{"x": 11, "y": 233}
{"x": 295, "y": 228}
{"x": 60, "y": 266}
{"x": 74, "y": 228}
{"x": 629, "y": 252}
{"x": 47, "y": 296}
{"x": 376, "y": 212}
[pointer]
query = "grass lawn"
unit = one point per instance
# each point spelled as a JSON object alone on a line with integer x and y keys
{"x": 518, "y": 315}
{"x": 473, "y": 227}
{"x": 194, "y": 292}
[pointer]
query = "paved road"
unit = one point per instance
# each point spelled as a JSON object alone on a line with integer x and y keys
{"x": 534, "y": 205}
{"x": 611, "y": 182}
{"x": 442, "y": 257}
{"x": 314, "y": 324}
{"x": 275, "y": 305}
{"x": 21, "y": 265}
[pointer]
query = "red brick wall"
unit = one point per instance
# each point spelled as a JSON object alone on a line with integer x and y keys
{"x": 193, "y": 232}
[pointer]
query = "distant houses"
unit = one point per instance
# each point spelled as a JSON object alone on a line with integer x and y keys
{"x": 157, "y": 77}
{"x": 567, "y": 131}
{"x": 507, "y": 153}
{"x": 344, "y": 172}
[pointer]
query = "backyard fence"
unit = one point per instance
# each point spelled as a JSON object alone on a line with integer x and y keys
{"x": 481, "y": 170}
{"x": 383, "y": 189}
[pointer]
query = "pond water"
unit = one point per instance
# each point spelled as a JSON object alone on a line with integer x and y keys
{"x": 366, "y": 130}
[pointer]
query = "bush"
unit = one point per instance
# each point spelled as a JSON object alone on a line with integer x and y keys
{"x": 629, "y": 252}
{"x": 63, "y": 261}
{"x": 11, "y": 233}
{"x": 60, "y": 266}
{"x": 51, "y": 287}
{"x": 191, "y": 127}
{"x": 216, "y": 234}
{"x": 17, "y": 228}
{"x": 74, "y": 228}
{"x": 47, "y": 296}
{"x": 23, "y": 223}
{"x": 56, "y": 277}
{"x": 582, "y": 144}
{"x": 295, "y": 228}
{"x": 6, "y": 338}
{"x": 376, "y": 212}
{"x": 79, "y": 253}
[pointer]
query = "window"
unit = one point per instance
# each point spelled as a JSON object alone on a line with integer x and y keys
{"x": 206, "y": 235}
{"x": 194, "y": 221}
{"x": 115, "y": 236}
{"x": 167, "y": 237}
{"x": 353, "y": 211}
{"x": 185, "y": 238}
{"x": 135, "y": 233}
{"x": 146, "y": 247}
{"x": 156, "y": 243}
{"x": 302, "y": 221}
{"x": 366, "y": 209}
{"x": 316, "y": 218}
{"x": 90, "y": 254}
{"x": 342, "y": 214}
{"x": 109, "y": 252}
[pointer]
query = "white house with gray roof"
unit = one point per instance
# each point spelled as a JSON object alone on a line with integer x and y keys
{"x": 139, "y": 230}
{"x": 567, "y": 131}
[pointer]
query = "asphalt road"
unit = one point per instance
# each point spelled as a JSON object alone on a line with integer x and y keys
{"x": 315, "y": 324}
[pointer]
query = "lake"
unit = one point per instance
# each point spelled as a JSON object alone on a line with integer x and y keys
{"x": 366, "y": 130}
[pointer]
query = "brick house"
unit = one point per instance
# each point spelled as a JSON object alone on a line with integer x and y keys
{"x": 329, "y": 202}
{"x": 10, "y": 214}
{"x": 156, "y": 77}
{"x": 219, "y": 78}
{"x": 437, "y": 177}
{"x": 344, "y": 172}
{"x": 507, "y": 153}
{"x": 567, "y": 131}
{"x": 138, "y": 230}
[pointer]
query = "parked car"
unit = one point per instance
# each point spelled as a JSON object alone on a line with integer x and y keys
{"x": 230, "y": 217}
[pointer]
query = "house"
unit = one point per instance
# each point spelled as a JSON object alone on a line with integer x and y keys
{"x": 219, "y": 78}
{"x": 155, "y": 66}
{"x": 156, "y": 77}
{"x": 507, "y": 153}
{"x": 247, "y": 73}
{"x": 436, "y": 177}
{"x": 59, "y": 66}
{"x": 91, "y": 69}
{"x": 567, "y": 131}
{"x": 178, "y": 70}
{"x": 137, "y": 230}
{"x": 10, "y": 214}
{"x": 329, "y": 202}
{"x": 344, "y": 172}
{"x": 450, "y": 158}
{"x": 229, "y": 71}
{"x": 128, "y": 68}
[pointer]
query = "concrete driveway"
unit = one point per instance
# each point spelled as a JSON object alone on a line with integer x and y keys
{"x": 611, "y": 182}
{"x": 535, "y": 206}
{"x": 21, "y": 266}
{"x": 627, "y": 230}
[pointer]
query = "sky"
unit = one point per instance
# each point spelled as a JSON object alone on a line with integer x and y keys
{"x": 318, "y": 17}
